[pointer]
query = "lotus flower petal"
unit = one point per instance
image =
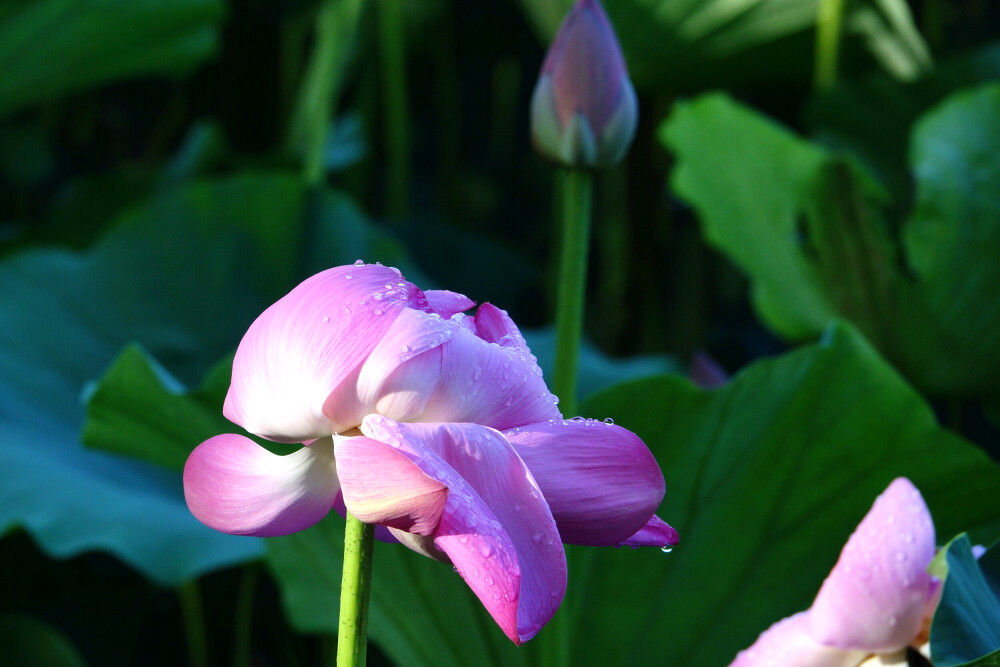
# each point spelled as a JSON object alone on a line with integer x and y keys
{"x": 306, "y": 344}
{"x": 495, "y": 528}
{"x": 234, "y": 485}
{"x": 787, "y": 643}
{"x": 489, "y": 377}
{"x": 446, "y": 303}
{"x": 398, "y": 376}
{"x": 656, "y": 533}
{"x": 600, "y": 480}
{"x": 876, "y": 595}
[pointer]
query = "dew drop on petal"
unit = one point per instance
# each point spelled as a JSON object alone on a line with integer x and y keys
{"x": 326, "y": 320}
{"x": 348, "y": 276}
{"x": 377, "y": 312}
{"x": 345, "y": 310}
{"x": 488, "y": 580}
{"x": 609, "y": 421}
{"x": 359, "y": 262}
{"x": 666, "y": 548}
{"x": 404, "y": 348}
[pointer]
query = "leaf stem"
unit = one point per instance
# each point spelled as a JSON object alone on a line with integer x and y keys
{"x": 243, "y": 618}
{"x": 189, "y": 595}
{"x": 829, "y": 17}
{"x": 336, "y": 24}
{"x": 577, "y": 187}
{"x": 355, "y": 591}
{"x": 395, "y": 107}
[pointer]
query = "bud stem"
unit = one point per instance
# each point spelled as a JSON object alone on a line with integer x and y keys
{"x": 355, "y": 590}
{"x": 576, "y": 186}
{"x": 828, "y": 19}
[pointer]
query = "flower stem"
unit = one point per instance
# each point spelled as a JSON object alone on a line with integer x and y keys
{"x": 355, "y": 590}
{"x": 189, "y": 595}
{"x": 395, "y": 107}
{"x": 828, "y": 19}
{"x": 577, "y": 186}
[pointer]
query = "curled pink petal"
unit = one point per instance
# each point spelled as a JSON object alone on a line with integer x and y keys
{"x": 656, "y": 533}
{"x": 496, "y": 527}
{"x": 875, "y": 597}
{"x": 787, "y": 643}
{"x": 234, "y": 485}
{"x": 398, "y": 376}
{"x": 490, "y": 377}
{"x": 600, "y": 480}
{"x": 381, "y": 485}
{"x": 301, "y": 348}
{"x": 446, "y": 303}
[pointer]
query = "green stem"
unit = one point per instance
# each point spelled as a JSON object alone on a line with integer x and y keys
{"x": 828, "y": 22}
{"x": 577, "y": 187}
{"x": 243, "y": 619}
{"x": 395, "y": 107}
{"x": 336, "y": 24}
{"x": 355, "y": 590}
{"x": 189, "y": 595}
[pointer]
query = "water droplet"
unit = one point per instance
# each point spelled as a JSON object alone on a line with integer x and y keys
{"x": 404, "y": 348}
{"x": 326, "y": 320}
{"x": 348, "y": 276}
{"x": 345, "y": 310}
{"x": 359, "y": 262}
{"x": 555, "y": 400}
{"x": 477, "y": 373}
{"x": 464, "y": 539}
{"x": 577, "y": 419}
{"x": 488, "y": 580}
{"x": 666, "y": 548}
{"x": 378, "y": 263}
{"x": 377, "y": 312}
{"x": 485, "y": 550}
{"x": 609, "y": 421}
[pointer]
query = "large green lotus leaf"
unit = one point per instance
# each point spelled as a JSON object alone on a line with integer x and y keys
{"x": 952, "y": 240}
{"x": 872, "y": 116}
{"x": 766, "y": 476}
{"x": 966, "y": 626}
{"x": 184, "y": 274}
{"x": 675, "y": 45}
{"x": 52, "y": 47}
{"x": 810, "y": 229}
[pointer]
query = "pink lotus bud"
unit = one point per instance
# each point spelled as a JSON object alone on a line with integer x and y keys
{"x": 584, "y": 110}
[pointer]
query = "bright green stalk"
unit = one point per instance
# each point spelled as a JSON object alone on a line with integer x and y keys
{"x": 395, "y": 107}
{"x": 336, "y": 25}
{"x": 828, "y": 22}
{"x": 193, "y": 616}
{"x": 577, "y": 186}
{"x": 355, "y": 590}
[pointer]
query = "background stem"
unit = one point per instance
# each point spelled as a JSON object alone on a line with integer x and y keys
{"x": 193, "y": 615}
{"x": 355, "y": 590}
{"x": 828, "y": 22}
{"x": 577, "y": 187}
{"x": 336, "y": 25}
{"x": 394, "y": 107}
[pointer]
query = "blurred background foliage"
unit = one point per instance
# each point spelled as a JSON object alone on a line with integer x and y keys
{"x": 168, "y": 168}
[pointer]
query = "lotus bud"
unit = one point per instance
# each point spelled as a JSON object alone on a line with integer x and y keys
{"x": 584, "y": 110}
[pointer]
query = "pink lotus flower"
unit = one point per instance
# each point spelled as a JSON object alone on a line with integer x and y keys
{"x": 584, "y": 110}
{"x": 434, "y": 425}
{"x": 878, "y": 599}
